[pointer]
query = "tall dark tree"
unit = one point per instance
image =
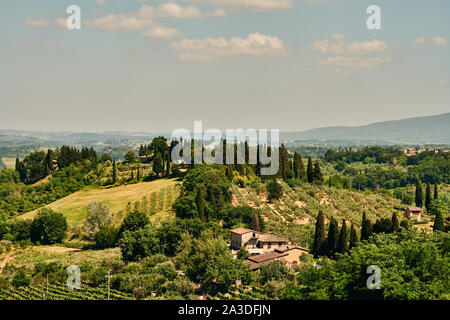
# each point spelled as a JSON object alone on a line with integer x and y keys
{"x": 114, "y": 172}
{"x": 224, "y": 151}
{"x": 258, "y": 162}
{"x": 342, "y": 246}
{"x": 158, "y": 165}
{"x": 254, "y": 222}
{"x": 317, "y": 173}
{"x": 200, "y": 202}
{"x": 319, "y": 235}
{"x": 428, "y": 197}
{"x": 438, "y": 222}
{"x": 274, "y": 190}
{"x": 138, "y": 174}
{"x": 17, "y": 164}
{"x": 167, "y": 163}
{"x": 366, "y": 228}
{"x": 310, "y": 171}
{"x": 436, "y": 192}
{"x": 299, "y": 168}
{"x": 395, "y": 222}
{"x": 332, "y": 238}
{"x": 247, "y": 153}
{"x": 419, "y": 194}
{"x": 354, "y": 241}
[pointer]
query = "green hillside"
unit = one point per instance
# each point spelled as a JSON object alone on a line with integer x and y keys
{"x": 74, "y": 206}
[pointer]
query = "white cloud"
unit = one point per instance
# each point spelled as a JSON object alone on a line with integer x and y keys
{"x": 161, "y": 32}
{"x": 144, "y": 19}
{"x": 216, "y": 49}
{"x": 254, "y": 5}
{"x": 174, "y": 10}
{"x": 354, "y": 62}
{"x": 37, "y": 23}
{"x": 339, "y": 46}
{"x": 121, "y": 22}
{"x": 439, "y": 41}
{"x": 436, "y": 41}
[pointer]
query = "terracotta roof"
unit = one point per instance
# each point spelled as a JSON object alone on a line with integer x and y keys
{"x": 271, "y": 238}
{"x": 251, "y": 264}
{"x": 414, "y": 209}
{"x": 242, "y": 230}
{"x": 266, "y": 257}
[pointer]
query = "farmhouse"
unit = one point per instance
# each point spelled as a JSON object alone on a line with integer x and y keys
{"x": 256, "y": 242}
{"x": 290, "y": 256}
{"x": 414, "y": 212}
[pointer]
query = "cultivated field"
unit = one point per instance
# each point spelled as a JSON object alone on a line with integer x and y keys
{"x": 74, "y": 206}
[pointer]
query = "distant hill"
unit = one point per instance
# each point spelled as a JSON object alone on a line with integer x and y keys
{"x": 430, "y": 129}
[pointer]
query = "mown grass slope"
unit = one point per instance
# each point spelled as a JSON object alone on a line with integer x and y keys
{"x": 74, "y": 206}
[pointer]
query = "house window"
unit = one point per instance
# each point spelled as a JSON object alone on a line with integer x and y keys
{"x": 279, "y": 244}
{"x": 269, "y": 245}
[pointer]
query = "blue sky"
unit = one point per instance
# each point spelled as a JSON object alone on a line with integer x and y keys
{"x": 159, "y": 65}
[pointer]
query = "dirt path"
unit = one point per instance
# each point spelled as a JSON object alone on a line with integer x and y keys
{"x": 9, "y": 256}
{"x": 57, "y": 249}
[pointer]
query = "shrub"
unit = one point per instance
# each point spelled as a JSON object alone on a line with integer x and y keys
{"x": 48, "y": 227}
{"x": 21, "y": 279}
{"x": 106, "y": 237}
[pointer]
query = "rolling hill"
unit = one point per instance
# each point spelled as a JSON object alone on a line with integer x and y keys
{"x": 430, "y": 129}
{"x": 74, "y": 206}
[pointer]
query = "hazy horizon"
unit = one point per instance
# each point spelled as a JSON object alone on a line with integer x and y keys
{"x": 154, "y": 66}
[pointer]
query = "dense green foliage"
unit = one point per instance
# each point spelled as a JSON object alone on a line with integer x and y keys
{"x": 420, "y": 270}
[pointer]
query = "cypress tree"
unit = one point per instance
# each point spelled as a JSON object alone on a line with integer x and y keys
{"x": 354, "y": 241}
{"x": 436, "y": 192}
{"x": 258, "y": 162}
{"x": 309, "y": 171}
{"x": 17, "y": 164}
{"x": 342, "y": 246}
{"x": 224, "y": 151}
{"x": 395, "y": 222}
{"x": 114, "y": 173}
{"x": 428, "y": 197}
{"x": 158, "y": 164}
{"x": 247, "y": 153}
{"x": 317, "y": 173}
{"x": 319, "y": 235}
{"x": 332, "y": 238}
{"x": 419, "y": 195}
{"x": 138, "y": 176}
{"x": 254, "y": 222}
{"x": 366, "y": 228}
{"x": 200, "y": 202}
{"x": 132, "y": 174}
{"x": 299, "y": 168}
{"x": 167, "y": 163}
{"x": 438, "y": 222}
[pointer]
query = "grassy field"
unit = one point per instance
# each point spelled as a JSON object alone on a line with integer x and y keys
{"x": 74, "y": 206}
{"x": 9, "y": 162}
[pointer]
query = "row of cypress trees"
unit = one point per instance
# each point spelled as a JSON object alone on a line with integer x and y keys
{"x": 338, "y": 240}
{"x": 419, "y": 195}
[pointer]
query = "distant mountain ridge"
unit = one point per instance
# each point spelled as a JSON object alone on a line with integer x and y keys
{"x": 429, "y": 129}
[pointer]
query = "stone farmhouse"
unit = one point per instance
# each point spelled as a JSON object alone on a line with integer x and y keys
{"x": 414, "y": 212}
{"x": 265, "y": 248}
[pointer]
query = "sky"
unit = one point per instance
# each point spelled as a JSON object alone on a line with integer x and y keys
{"x": 155, "y": 66}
